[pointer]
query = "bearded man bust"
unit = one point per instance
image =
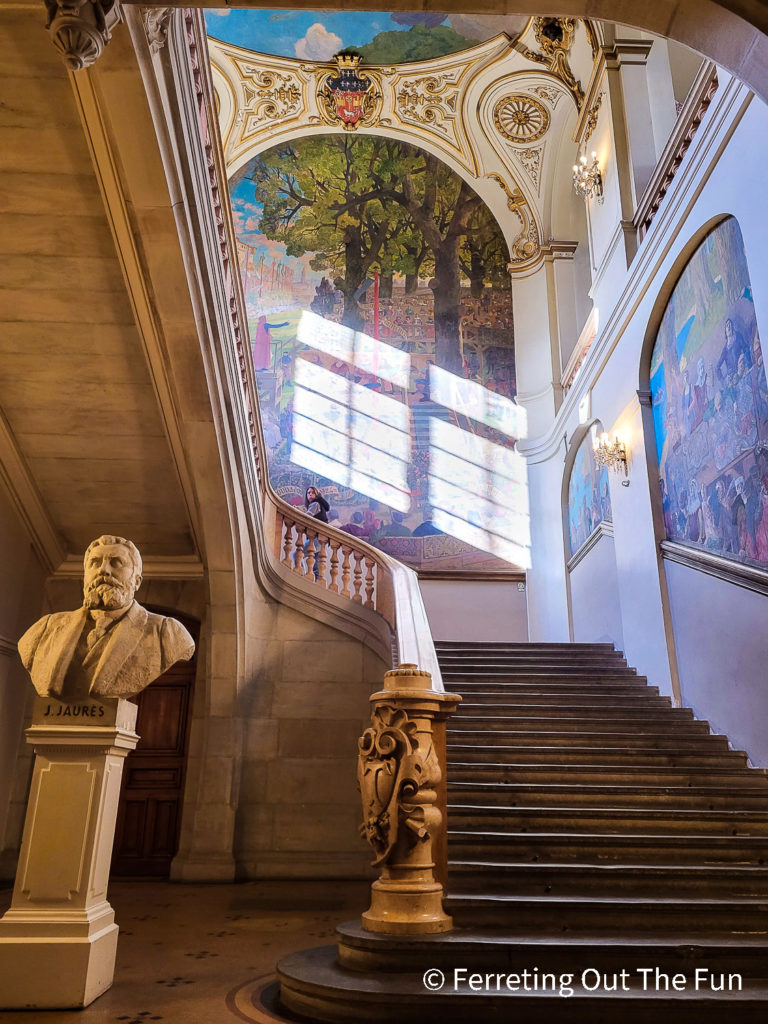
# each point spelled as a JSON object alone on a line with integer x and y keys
{"x": 111, "y": 647}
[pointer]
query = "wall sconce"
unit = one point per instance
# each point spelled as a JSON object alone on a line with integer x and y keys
{"x": 612, "y": 454}
{"x": 587, "y": 179}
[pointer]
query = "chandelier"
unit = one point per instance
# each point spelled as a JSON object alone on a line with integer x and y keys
{"x": 612, "y": 454}
{"x": 587, "y": 179}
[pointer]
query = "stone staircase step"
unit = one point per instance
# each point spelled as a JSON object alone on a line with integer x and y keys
{"x": 608, "y": 821}
{"x": 468, "y": 877}
{"x": 561, "y": 702}
{"x": 610, "y": 737}
{"x": 725, "y": 796}
{"x": 641, "y": 710}
{"x": 595, "y": 848}
{"x": 552, "y": 690}
{"x": 549, "y": 916}
{"x": 641, "y": 724}
{"x": 468, "y": 675}
{"x": 659, "y": 771}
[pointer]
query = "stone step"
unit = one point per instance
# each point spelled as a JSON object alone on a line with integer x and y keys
{"x": 607, "y": 820}
{"x": 473, "y": 877}
{"x": 552, "y": 690}
{"x": 516, "y": 663}
{"x": 316, "y": 986}
{"x": 607, "y": 710}
{"x": 470, "y": 675}
{"x": 640, "y": 725}
{"x": 594, "y": 848}
{"x": 590, "y": 915}
{"x": 516, "y": 759}
{"x": 593, "y": 702}
{"x": 361, "y": 950}
{"x": 725, "y": 796}
{"x": 651, "y": 774}
{"x": 638, "y": 739}
{"x": 522, "y": 645}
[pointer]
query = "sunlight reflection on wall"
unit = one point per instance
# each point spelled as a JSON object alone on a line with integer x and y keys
{"x": 361, "y": 439}
{"x": 351, "y": 435}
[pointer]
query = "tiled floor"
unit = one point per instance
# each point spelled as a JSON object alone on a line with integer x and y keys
{"x": 201, "y": 954}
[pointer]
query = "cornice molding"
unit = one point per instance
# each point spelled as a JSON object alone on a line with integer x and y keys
{"x": 46, "y": 540}
{"x": 183, "y": 567}
{"x": 603, "y": 529}
{"x": 747, "y": 576}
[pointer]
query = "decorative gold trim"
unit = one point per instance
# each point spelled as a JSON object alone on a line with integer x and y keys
{"x": 370, "y": 107}
{"x": 526, "y": 248}
{"x": 592, "y": 118}
{"x": 554, "y": 52}
{"x": 521, "y": 118}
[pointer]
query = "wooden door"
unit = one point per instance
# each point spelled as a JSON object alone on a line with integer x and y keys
{"x": 149, "y": 815}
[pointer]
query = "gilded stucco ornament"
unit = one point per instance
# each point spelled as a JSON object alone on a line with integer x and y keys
{"x": 525, "y": 249}
{"x": 80, "y": 29}
{"x": 555, "y": 38}
{"x": 111, "y": 647}
{"x": 395, "y": 777}
{"x": 520, "y": 118}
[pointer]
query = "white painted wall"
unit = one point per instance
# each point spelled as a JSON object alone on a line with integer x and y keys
{"x": 722, "y": 644}
{"x": 718, "y": 643}
{"x": 475, "y": 610}
{"x": 595, "y": 599}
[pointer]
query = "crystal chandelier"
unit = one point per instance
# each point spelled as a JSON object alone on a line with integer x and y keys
{"x": 587, "y": 179}
{"x": 612, "y": 454}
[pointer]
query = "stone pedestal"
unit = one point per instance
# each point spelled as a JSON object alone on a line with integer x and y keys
{"x": 59, "y": 938}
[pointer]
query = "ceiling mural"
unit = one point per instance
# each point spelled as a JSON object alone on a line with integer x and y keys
{"x": 378, "y": 37}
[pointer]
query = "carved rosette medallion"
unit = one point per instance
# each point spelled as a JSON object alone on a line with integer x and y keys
{"x": 396, "y": 779}
{"x": 349, "y": 96}
{"x": 521, "y": 118}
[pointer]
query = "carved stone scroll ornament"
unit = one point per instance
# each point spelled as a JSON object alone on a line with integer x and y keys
{"x": 525, "y": 249}
{"x": 80, "y": 29}
{"x": 156, "y": 24}
{"x": 397, "y": 781}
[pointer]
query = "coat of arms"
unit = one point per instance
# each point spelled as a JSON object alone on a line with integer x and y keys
{"x": 348, "y": 95}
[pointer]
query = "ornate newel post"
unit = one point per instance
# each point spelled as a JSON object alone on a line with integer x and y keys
{"x": 399, "y": 773}
{"x": 58, "y": 941}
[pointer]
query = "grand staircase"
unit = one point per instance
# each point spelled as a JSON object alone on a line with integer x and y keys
{"x": 595, "y": 833}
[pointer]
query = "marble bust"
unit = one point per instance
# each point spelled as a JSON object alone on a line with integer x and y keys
{"x": 111, "y": 647}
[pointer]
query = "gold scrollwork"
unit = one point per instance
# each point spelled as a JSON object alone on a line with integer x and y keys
{"x": 429, "y": 101}
{"x": 525, "y": 248}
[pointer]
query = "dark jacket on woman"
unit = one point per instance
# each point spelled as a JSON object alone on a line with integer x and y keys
{"x": 322, "y": 512}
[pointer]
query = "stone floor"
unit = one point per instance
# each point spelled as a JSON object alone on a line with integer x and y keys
{"x": 206, "y": 954}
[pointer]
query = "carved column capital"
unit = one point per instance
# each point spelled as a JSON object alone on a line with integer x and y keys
{"x": 80, "y": 29}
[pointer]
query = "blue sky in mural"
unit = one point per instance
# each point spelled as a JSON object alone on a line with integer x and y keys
{"x": 317, "y": 35}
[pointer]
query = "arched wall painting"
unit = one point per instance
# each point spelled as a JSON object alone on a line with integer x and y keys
{"x": 710, "y": 406}
{"x": 589, "y": 497}
{"x": 380, "y": 314}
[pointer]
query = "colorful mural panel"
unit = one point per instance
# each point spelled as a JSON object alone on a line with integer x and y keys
{"x": 589, "y": 498}
{"x": 380, "y": 315}
{"x": 710, "y": 405}
{"x": 379, "y": 37}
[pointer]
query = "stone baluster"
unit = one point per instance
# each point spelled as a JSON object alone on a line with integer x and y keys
{"x": 358, "y": 578}
{"x": 400, "y": 772}
{"x": 345, "y": 570}
{"x": 370, "y": 582}
{"x": 334, "y": 584}
{"x": 322, "y": 561}
{"x": 288, "y": 546}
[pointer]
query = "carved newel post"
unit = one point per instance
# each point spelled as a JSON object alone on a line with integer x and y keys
{"x": 59, "y": 938}
{"x": 400, "y": 775}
